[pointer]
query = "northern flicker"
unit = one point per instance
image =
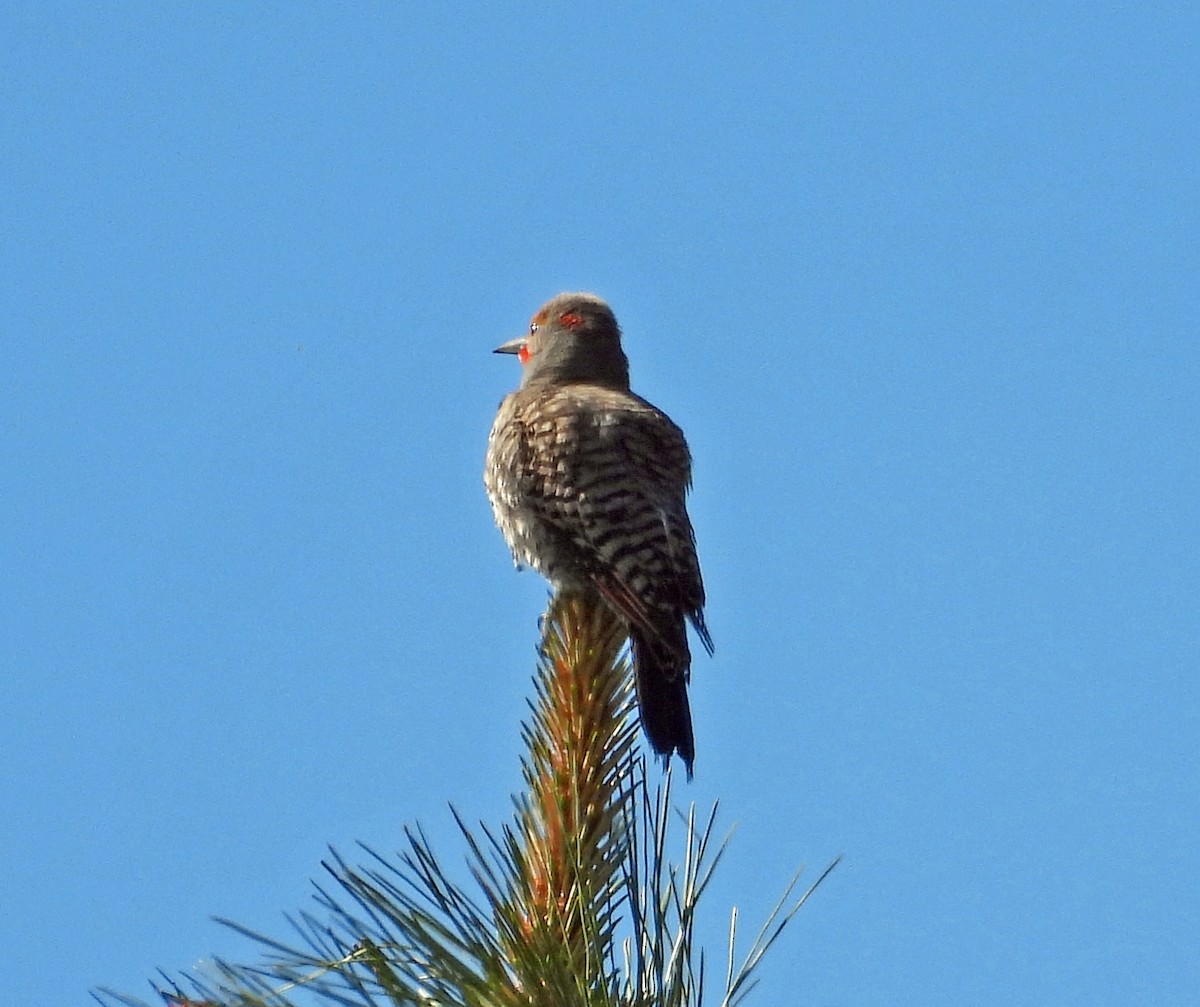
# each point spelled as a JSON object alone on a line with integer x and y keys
{"x": 587, "y": 482}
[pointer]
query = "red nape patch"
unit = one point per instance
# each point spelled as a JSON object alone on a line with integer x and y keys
{"x": 570, "y": 320}
{"x": 523, "y": 354}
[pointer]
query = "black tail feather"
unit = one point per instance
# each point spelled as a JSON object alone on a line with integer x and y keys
{"x": 662, "y": 675}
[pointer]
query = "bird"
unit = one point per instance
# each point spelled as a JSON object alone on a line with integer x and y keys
{"x": 587, "y": 482}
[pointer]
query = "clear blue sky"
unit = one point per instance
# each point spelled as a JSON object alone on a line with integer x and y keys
{"x": 922, "y": 284}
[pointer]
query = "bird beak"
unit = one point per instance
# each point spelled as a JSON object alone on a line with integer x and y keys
{"x": 512, "y": 346}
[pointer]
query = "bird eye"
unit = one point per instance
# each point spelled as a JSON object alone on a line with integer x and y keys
{"x": 533, "y": 327}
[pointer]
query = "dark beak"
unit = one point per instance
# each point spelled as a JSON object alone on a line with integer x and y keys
{"x": 512, "y": 346}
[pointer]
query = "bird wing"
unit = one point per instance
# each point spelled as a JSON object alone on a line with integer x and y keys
{"x": 611, "y": 474}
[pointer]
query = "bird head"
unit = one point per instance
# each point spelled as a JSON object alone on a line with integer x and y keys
{"x": 571, "y": 338}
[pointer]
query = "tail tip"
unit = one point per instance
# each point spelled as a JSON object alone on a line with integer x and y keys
{"x": 687, "y": 760}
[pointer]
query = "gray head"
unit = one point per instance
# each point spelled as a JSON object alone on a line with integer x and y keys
{"x": 572, "y": 338}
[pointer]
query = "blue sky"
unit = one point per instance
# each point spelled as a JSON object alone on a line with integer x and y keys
{"x": 919, "y": 282}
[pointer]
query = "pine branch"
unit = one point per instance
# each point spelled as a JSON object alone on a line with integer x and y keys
{"x": 576, "y": 903}
{"x": 571, "y": 839}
